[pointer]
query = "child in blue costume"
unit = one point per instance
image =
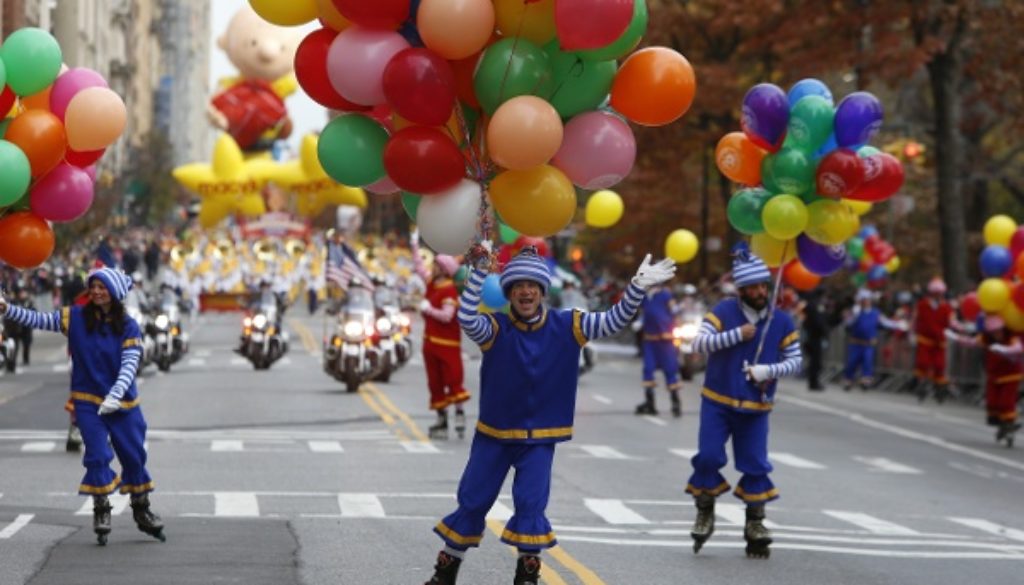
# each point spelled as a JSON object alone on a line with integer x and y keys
{"x": 528, "y": 381}
{"x": 105, "y": 346}
{"x": 861, "y": 337}
{"x": 749, "y": 345}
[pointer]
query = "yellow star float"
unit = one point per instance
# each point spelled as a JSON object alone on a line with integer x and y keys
{"x": 229, "y": 184}
{"x": 313, "y": 188}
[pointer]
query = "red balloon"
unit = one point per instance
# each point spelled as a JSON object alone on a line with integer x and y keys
{"x": 505, "y": 254}
{"x": 423, "y": 160}
{"x": 7, "y": 98}
{"x": 539, "y": 243}
{"x": 839, "y": 173}
{"x": 463, "y": 70}
{"x": 1017, "y": 243}
{"x": 311, "y": 71}
{"x": 1017, "y": 295}
{"x": 26, "y": 240}
{"x": 883, "y": 177}
{"x": 591, "y": 24}
{"x": 379, "y": 14}
{"x": 82, "y": 159}
{"x": 420, "y": 86}
{"x": 970, "y": 308}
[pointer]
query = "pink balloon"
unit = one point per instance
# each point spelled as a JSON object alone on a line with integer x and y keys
{"x": 70, "y": 83}
{"x": 63, "y": 195}
{"x": 384, "y": 186}
{"x": 591, "y": 24}
{"x": 598, "y": 150}
{"x": 91, "y": 171}
{"x": 356, "y": 61}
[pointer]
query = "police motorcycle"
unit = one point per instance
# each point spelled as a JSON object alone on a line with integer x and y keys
{"x": 165, "y": 327}
{"x": 392, "y": 330}
{"x": 573, "y": 298}
{"x": 350, "y": 353}
{"x": 263, "y": 341}
{"x": 685, "y": 331}
{"x": 134, "y": 307}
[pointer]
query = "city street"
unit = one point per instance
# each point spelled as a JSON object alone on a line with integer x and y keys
{"x": 279, "y": 476}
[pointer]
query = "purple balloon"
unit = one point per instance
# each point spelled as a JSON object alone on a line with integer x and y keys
{"x": 765, "y": 115}
{"x": 63, "y": 195}
{"x": 858, "y": 118}
{"x": 69, "y": 84}
{"x": 818, "y": 258}
{"x": 598, "y": 150}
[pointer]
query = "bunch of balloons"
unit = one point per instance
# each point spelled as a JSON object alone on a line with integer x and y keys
{"x": 55, "y": 123}
{"x": 1002, "y": 266}
{"x": 454, "y": 100}
{"x": 808, "y": 173}
{"x": 870, "y": 258}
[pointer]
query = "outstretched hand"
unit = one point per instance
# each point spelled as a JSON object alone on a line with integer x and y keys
{"x": 481, "y": 256}
{"x": 649, "y": 274}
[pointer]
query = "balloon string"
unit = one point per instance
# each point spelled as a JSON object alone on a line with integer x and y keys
{"x": 772, "y": 303}
{"x": 515, "y": 44}
{"x": 575, "y": 71}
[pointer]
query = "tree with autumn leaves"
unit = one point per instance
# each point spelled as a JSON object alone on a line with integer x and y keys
{"x": 946, "y": 71}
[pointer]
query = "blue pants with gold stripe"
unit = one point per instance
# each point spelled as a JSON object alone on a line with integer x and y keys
{"x": 749, "y": 432}
{"x": 489, "y": 463}
{"x": 664, "y": 356}
{"x": 127, "y": 432}
{"x": 862, "y": 356}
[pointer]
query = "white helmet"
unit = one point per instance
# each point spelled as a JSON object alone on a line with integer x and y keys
{"x": 689, "y": 290}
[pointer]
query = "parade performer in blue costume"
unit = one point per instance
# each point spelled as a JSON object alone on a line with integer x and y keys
{"x": 105, "y": 346}
{"x": 659, "y": 349}
{"x": 528, "y": 383}
{"x": 749, "y": 345}
{"x": 862, "y": 335}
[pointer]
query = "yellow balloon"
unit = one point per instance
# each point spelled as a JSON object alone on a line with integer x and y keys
{"x": 784, "y": 217}
{"x": 285, "y": 12}
{"x": 999, "y": 229}
{"x": 993, "y": 295}
{"x": 604, "y": 209}
{"x": 330, "y": 15}
{"x": 1013, "y": 317}
{"x": 893, "y": 264}
{"x": 534, "y": 22}
{"x": 681, "y": 245}
{"x": 774, "y": 252}
{"x": 538, "y": 202}
{"x": 831, "y": 222}
{"x": 858, "y": 207}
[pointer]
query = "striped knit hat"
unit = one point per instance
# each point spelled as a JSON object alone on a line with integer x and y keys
{"x": 117, "y": 282}
{"x": 527, "y": 265}
{"x": 747, "y": 268}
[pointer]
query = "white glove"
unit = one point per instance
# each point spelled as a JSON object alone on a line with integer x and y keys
{"x": 1001, "y": 349}
{"x": 649, "y": 274}
{"x": 757, "y": 373}
{"x": 110, "y": 404}
{"x": 950, "y": 335}
{"x": 424, "y": 305}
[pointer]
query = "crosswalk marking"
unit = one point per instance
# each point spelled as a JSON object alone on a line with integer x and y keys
{"x": 227, "y": 445}
{"x": 655, "y": 420}
{"x": 991, "y": 528}
{"x": 61, "y": 368}
{"x": 285, "y": 361}
{"x": 235, "y": 504}
{"x": 872, "y": 524}
{"x": 684, "y": 453}
{"x": 196, "y": 362}
{"x": 119, "y": 502}
{"x": 325, "y": 447}
{"x": 20, "y": 522}
{"x": 886, "y": 465}
{"x": 736, "y": 514}
{"x": 39, "y": 447}
{"x": 794, "y": 461}
{"x": 238, "y": 361}
{"x": 419, "y": 447}
{"x": 500, "y": 512}
{"x": 360, "y": 506}
{"x": 614, "y": 511}
{"x": 603, "y": 452}
{"x": 601, "y": 399}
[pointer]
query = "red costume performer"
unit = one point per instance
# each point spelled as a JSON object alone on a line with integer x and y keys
{"x": 1004, "y": 371}
{"x": 933, "y": 315}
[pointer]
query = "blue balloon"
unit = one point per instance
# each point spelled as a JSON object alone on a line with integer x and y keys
{"x": 490, "y": 292}
{"x": 408, "y": 29}
{"x": 877, "y": 272}
{"x": 809, "y": 86}
{"x": 867, "y": 231}
{"x": 829, "y": 146}
{"x": 858, "y": 118}
{"x": 995, "y": 261}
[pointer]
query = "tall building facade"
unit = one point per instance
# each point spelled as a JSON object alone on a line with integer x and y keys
{"x": 183, "y": 34}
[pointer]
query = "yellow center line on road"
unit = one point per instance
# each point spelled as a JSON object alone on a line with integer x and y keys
{"x": 390, "y": 406}
{"x": 548, "y": 573}
{"x": 585, "y": 575}
{"x": 308, "y": 341}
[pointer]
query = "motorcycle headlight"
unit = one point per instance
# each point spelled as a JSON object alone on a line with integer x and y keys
{"x": 354, "y": 329}
{"x": 383, "y": 325}
{"x": 247, "y": 322}
{"x": 403, "y": 320}
{"x": 259, "y": 321}
{"x": 161, "y": 321}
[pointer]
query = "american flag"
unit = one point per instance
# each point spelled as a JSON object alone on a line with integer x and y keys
{"x": 342, "y": 267}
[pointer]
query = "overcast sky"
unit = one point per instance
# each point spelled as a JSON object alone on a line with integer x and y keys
{"x": 307, "y": 115}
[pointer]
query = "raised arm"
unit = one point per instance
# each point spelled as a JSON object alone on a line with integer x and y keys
{"x": 479, "y": 328}
{"x": 417, "y": 261}
{"x": 610, "y": 322}
{"x": 52, "y": 321}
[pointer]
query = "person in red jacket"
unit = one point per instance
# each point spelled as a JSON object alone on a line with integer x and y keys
{"x": 932, "y": 316}
{"x": 1004, "y": 370}
{"x": 442, "y": 341}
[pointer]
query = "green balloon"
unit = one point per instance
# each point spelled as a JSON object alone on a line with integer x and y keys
{"x": 578, "y": 85}
{"x": 509, "y": 68}
{"x": 472, "y": 117}
{"x": 411, "y": 203}
{"x": 460, "y": 275}
{"x": 789, "y": 171}
{"x": 351, "y": 150}
{"x": 859, "y": 279}
{"x": 627, "y": 41}
{"x": 855, "y": 248}
{"x": 744, "y": 210}
{"x": 32, "y": 58}
{"x": 810, "y": 123}
{"x": 4, "y": 123}
{"x": 507, "y": 234}
{"x": 3, "y": 79}
{"x": 15, "y": 173}
{"x": 813, "y": 197}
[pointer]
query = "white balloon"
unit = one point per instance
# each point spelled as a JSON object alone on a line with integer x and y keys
{"x": 447, "y": 220}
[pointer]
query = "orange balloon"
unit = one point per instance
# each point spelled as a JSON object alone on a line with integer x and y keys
{"x": 524, "y": 132}
{"x": 739, "y": 158}
{"x": 654, "y": 86}
{"x": 40, "y": 135}
{"x": 330, "y": 16}
{"x": 26, "y": 240}
{"x": 1020, "y": 266}
{"x": 451, "y": 127}
{"x": 437, "y": 20}
{"x": 95, "y": 118}
{"x": 797, "y": 276}
{"x": 38, "y": 101}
